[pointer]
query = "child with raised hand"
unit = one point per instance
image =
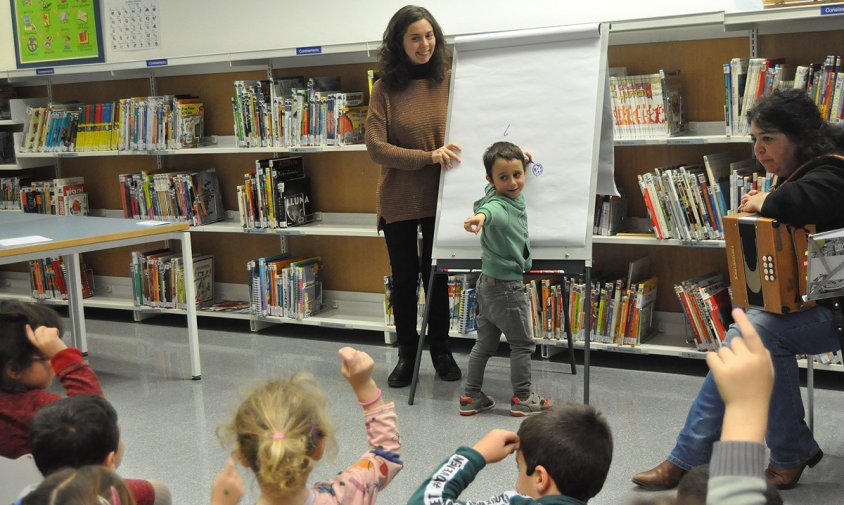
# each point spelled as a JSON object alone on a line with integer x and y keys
{"x": 32, "y": 354}
{"x": 282, "y": 428}
{"x": 744, "y": 375}
{"x": 563, "y": 457}
{"x": 502, "y": 307}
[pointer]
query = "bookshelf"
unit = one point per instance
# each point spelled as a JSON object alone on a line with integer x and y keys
{"x": 343, "y": 187}
{"x": 344, "y": 179}
{"x": 697, "y": 45}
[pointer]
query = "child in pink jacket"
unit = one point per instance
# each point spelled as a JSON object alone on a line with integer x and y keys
{"x": 282, "y": 428}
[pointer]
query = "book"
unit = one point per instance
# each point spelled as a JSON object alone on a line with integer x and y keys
{"x": 295, "y": 199}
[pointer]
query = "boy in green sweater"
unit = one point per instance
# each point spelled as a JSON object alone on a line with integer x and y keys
{"x": 563, "y": 456}
{"x": 502, "y": 305}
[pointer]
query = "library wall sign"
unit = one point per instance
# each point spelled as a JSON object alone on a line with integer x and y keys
{"x": 59, "y": 32}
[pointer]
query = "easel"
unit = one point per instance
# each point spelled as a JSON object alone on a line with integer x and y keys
{"x": 445, "y": 266}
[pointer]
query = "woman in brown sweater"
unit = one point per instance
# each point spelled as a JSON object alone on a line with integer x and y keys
{"x": 405, "y": 132}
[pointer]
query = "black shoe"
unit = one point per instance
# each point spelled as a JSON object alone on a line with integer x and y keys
{"x": 445, "y": 366}
{"x": 402, "y": 374}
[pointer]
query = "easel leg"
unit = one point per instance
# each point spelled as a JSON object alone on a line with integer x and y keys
{"x": 587, "y": 310}
{"x": 567, "y": 328}
{"x": 422, "y": 335}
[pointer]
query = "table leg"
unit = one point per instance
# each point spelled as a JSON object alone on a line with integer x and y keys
{"x": 190, "y": 299}
{"x": 74, "y": 299}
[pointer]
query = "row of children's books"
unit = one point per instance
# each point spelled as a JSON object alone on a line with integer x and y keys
{"x": 10, "y": 192}
{"x": 277, "y": 194}
{"x": 172, "y": 196}
{"x": 158, "y": 278}
{"x": 748, "y": 79}
{"x": 284, "y": 286}
{"x": 706, "y": 303}
{"x": 688, "y": 202}
{"x": 290, "y": 111}
{"x": 462, "y": 302}
{"x": 64, "y": 197}
{"x": 48, "y": 279}
{"x": 645, "y": 106}
{"x": 610, "y": 213}
{"x": 130, "y": 124}
{"x": 620, "y": 314}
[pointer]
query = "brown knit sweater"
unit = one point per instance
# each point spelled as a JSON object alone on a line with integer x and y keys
{"x": 402, "y": 129}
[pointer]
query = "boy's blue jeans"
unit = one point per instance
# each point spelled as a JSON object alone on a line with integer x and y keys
{"x": 502, "y": 307}
{"x": 789, "y": 438}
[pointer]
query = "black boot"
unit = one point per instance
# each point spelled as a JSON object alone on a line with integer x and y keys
{"x": 445, "y": 366}
{"x": 402, "y": 374}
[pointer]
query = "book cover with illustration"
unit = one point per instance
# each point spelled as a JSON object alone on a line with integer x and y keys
{"x": 297, "y": 202}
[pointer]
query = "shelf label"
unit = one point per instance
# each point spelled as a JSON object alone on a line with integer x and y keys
{"x": 45, "y": 71}
{"x": 328, "y": 324}
{"x": 832, "y": 9}
{"x": 256, "y": 230}
{"x": 627, "y": 349}
{"x": 160, "y": 62}
{"x": 681, "y": 140}
{"x": 308, "y": 50}
{"x": 693, "y": 355}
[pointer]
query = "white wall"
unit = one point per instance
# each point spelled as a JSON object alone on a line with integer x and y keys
{"x": 251, "y": 25}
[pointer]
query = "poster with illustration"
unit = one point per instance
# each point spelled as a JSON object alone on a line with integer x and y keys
{"x": 49, "y": 33}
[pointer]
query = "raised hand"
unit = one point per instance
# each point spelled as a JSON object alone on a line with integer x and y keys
{"x": 497, "y": 445}
{"x": 227, "y": 488}
{"x": 46, "y": 340}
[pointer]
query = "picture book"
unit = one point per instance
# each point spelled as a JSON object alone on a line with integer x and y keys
{"x": 296, "y": 201}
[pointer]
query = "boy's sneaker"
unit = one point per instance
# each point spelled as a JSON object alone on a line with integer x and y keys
{"x": 533, "y": 404}
{"x": 471, "y": 405}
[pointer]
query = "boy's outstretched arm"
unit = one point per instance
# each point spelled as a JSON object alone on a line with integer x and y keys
{"x": 475, "y": 223}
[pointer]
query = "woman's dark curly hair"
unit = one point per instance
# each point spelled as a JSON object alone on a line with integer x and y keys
{"x": 794, "y": 113}
{"x": 394, "y": 61}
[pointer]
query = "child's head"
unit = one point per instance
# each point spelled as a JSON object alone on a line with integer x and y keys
{"x": 573, "y": 444}
{"x": 280, "y": 430}
{"x": 91, "y": 484}
{"x": 21, "y": 365}
{"x": 505, "y": 168}
{"x": 75, "y": 431}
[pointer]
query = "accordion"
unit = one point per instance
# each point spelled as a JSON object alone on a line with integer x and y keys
{"x": 767, "y": 263}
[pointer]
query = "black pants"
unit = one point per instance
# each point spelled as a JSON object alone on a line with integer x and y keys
{"x": 406, "y": 264}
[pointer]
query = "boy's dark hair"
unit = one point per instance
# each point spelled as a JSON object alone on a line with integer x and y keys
{"x": 574, "y": 444}
{"x": 502, "y": 151}
{"x": 74, "y": 431}
{"x": 15, "y": 348}
{"x": 391, "y": 55}
{"x": 692, "y": 489}
{"x": 794, "y": 113}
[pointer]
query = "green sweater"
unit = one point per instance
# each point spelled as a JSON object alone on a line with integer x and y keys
{"x": 505, "y": 244}
{"x": 457, "y": 472}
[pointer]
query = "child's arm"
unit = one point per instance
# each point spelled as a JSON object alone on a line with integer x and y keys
{"x": 744, "y": 375}
{"x": 76, "y": 376}
{"x": 228, "y": 486}
{"x": 357, "y": 369}
{"x": 361, "y": 482}
{"x": 458, "y": 471}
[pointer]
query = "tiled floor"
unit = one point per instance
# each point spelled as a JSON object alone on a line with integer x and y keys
{"x": 169, "y": 422}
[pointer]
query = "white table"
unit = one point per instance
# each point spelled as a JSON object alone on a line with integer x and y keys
{"x": 72, "y": 235}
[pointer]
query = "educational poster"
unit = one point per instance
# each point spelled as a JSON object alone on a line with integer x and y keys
{"x": 134, "y": 25}
{"x": 56, "y": 32}
{"x": 544, "y": 91}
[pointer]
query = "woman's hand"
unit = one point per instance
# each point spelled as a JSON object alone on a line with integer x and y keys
{"x": 445, "y": 155}
{"x": 752, "y": 201}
